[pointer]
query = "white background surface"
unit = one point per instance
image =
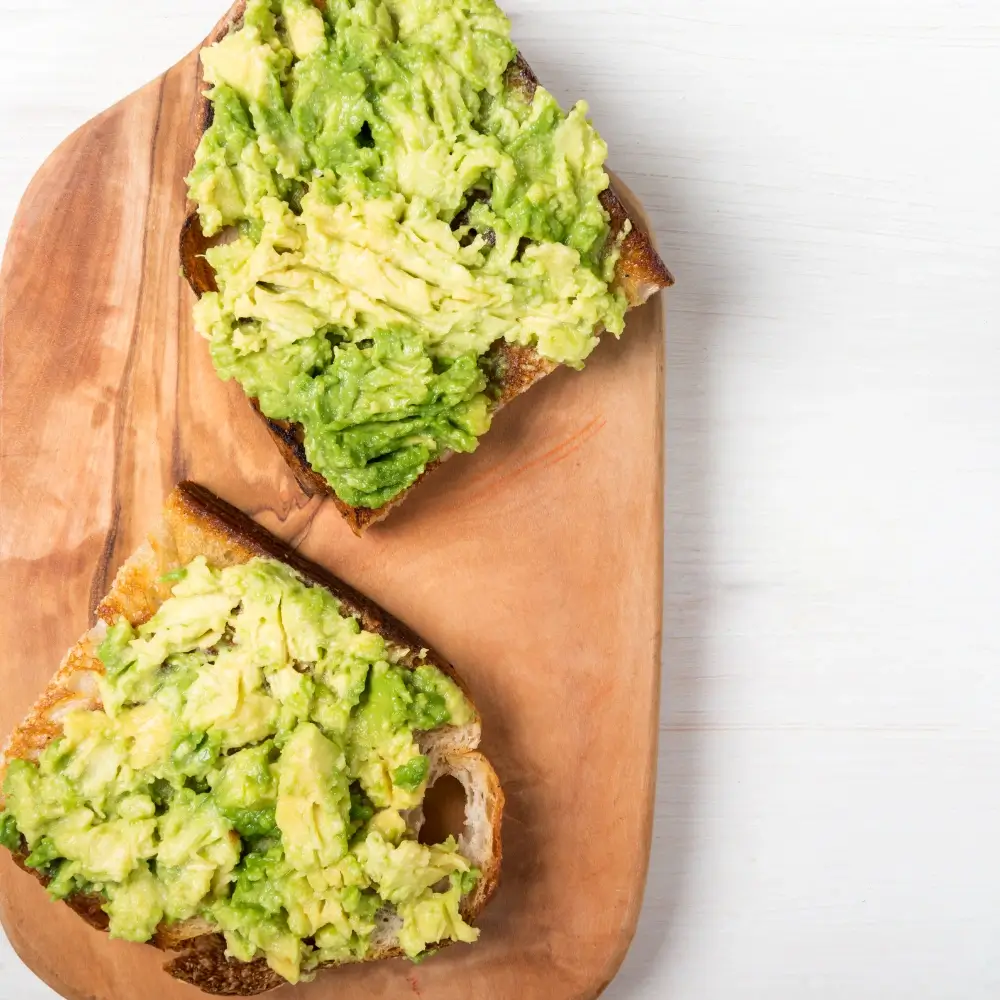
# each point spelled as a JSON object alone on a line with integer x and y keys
{"x": 823, "y": 177}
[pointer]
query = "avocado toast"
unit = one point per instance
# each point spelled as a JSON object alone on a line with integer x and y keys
{"x": 233, "y": 762}
{"x": 415, "y": 233}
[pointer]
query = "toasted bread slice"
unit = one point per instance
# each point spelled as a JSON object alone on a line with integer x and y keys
{"x": 195, "y": 522}
{"x": 514, "y": 369}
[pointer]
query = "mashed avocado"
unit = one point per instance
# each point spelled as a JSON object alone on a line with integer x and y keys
{"x": 398, "y": 210}
{"x": 252, "y": 765}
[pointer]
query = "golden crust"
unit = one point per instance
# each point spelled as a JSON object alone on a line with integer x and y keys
{"x": 196, "y": 522}
{"x": 74, "y": 686}
{"x": 639, "y": 272}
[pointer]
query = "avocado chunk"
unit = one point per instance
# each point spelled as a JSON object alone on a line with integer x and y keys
{"x": 245, "y": 789}
{"x": 313, "y": 800}
{"x": 412, "y": 774}
{"x": 135, "y": 906}
{"x": 10, "y": 836}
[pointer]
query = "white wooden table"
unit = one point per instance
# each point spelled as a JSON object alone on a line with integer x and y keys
{"x": 824, "y": 177}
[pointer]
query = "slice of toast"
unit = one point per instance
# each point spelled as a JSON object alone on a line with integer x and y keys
{"x": 513, "y": 369}
{"x": 195, "y": 522}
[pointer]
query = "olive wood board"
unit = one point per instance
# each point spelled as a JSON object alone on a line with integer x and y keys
{"x": 534, "y": 565}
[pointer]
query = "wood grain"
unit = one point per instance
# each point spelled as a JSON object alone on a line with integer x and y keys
{"x": 534, "y": 565}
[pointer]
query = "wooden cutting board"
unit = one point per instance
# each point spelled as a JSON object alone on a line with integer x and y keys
{"x": 534, "y": 565}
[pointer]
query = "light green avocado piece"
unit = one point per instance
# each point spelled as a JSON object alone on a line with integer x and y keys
{"x": 244, "y": 61}
{"x": 250, "y": 934}
{"x": 246, "y": 790}
{"x": 380, "y": 741}
{"x": 313, "y": 800}
{"x": 437, "y": 700}
{"x": 10, "y": 836}
{"x": 198, "y": 850}
{"x": 34, "y": 801}
{"x": 384, "y": 710}
{"x": 406, "y": 870}
{"x": 231, "y": 701}
{"x": 308, "y": 615}
{"x": 194, "y": 828}
{"x": 335, "y": 908}
{"x": 305, "y": 28}
{"x": 411, "y": 775}
{"x": 433, "y": 917}
{"x": 348, "y": 926}
{"x": 135, "y": 906}
{"x": 194, "y": 618}
{"x": 258, "y": 629}
{"x": 106, "y": 852}
{"x": 145, "y": 734}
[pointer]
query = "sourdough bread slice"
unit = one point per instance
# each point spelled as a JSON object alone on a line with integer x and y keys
{"x": 196, "y": 522}
{"x": 513, "y": 369}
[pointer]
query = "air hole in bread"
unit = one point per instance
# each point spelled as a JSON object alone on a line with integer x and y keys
{"x": 444, "y": 811}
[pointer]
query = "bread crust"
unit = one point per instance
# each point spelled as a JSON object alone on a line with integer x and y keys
{"x": 639, "y": 273}
{"x": 196, "y": 522}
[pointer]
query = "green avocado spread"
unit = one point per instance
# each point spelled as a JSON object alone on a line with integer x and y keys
{"x": 396, "y": 210}
{"x": 254, "y": 764}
